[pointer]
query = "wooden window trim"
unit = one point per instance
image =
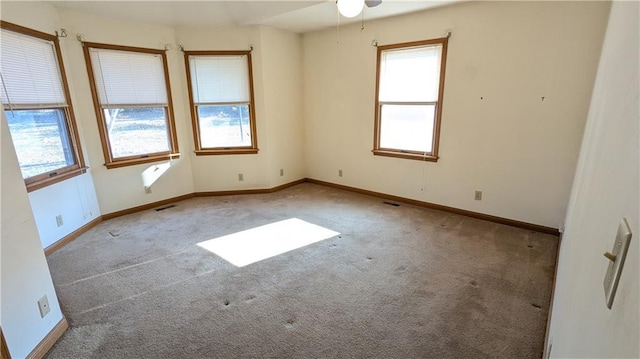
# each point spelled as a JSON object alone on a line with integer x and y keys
{"x": 63, "y": 173}
{"x": 207, "y": 151}
{"x": 110, "y": 161}
{"x": 412, "y": 155}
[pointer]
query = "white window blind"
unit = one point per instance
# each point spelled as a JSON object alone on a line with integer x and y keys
{"x": 128, "y": 78}
{"x": 219, "y": 79}
{"x": 410, "y": 75}
{"x": 30, "y": 72}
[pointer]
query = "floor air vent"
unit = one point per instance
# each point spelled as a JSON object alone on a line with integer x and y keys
{"x": 165, "y": 207}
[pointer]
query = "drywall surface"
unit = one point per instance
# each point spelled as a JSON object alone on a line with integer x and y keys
{"x": 605, "y": 190}
{"x": 24, "y": 272}
{"x": 282, "y": 81}
{"x": 122, "y": 188}
{"x": 75, "y": 199}
{"x": 498, "y": 135}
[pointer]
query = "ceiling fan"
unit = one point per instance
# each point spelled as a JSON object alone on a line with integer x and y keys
{"x": 351, "y": 8}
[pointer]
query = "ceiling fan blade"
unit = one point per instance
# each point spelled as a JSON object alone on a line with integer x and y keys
{"x": 372, "y": 3}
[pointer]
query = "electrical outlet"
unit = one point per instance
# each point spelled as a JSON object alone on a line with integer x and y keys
{"x": 43, "y": 305}
{"x": 478, "y": 196}
{"x": 147, "y": 189}
{"x": 281, "y": 172}
{"x": 59, "y": 221}
{"x": 240, "y": 177}
{"x": 339, "y": 173}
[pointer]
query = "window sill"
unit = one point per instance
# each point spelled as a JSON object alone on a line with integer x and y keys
{"x": 36, "y": 185}
{"x": 230, "y": 151}
{"x": 141, "y": 160}
{"x": 406, "y": 155}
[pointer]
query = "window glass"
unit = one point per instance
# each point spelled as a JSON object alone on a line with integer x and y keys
{"x": 132, "y": 102}
{"x": 136, "y": 131}
{"x": 222, "y": 102}
{"x": 405, "y": 126}
{"x": 224, "y": 125}
{"x": 409, "y": 99}
{"x": 41, "y": 140}
{"x": 34, "y": 96}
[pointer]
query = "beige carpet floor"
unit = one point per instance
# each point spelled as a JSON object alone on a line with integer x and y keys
{"x": 397, "y": 282}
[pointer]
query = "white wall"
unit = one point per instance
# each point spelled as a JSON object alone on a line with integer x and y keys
{"x": 282, "y": 84}
{"x": 75, "y": 199}
{"x": 605, "y": 190}
{"x": 519, "y": 150}
{"x": 24, "y": 272}
{"x": 122, "y": 188}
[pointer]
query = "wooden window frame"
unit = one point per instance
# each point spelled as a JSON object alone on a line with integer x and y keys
{"x": 78, "y": 168}
{"x": 413, "y": 155}
{"x": 110, "y": 161}
{"x": 238, "y": 150}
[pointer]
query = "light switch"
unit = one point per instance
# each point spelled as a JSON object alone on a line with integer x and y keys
{"x": 616, "y": 261}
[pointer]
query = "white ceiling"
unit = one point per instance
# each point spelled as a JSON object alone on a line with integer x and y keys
{"x": 294, "y": 15}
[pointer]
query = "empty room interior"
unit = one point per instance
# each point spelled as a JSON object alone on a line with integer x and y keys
{"x": 320, "y": 179}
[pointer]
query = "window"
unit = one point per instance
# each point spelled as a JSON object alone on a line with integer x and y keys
{"x": 221, "y": 98}
{"x": 35, "y": 98}
{"x": 132, "y": 98}
{"x": 409, "y": 86}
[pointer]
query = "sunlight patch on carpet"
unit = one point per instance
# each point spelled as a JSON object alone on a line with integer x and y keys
{"x": 253, "y": 245}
